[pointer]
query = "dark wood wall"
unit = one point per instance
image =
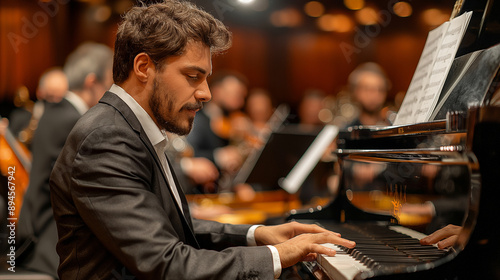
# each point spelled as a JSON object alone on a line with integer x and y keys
{"x": 292, "y": 62}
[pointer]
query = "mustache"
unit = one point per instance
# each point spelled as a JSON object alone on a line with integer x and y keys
{"x": 193, "y": 106}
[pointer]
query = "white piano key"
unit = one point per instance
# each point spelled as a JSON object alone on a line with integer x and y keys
{"x": 410, "y": 232}
{"x": 341, "y": 266}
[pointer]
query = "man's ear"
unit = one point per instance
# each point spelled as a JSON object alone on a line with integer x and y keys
{"x": 142, "y": 63}
{"x": 89, "y": 81}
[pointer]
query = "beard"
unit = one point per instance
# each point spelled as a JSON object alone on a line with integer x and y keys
{"x": 162, "y": 105}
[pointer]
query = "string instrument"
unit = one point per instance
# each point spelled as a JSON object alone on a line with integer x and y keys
{"x": 236, "y": 128}
{"x": 15, "y": 165}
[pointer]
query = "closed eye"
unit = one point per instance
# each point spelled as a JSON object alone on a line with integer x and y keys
{"x": 195, "y": 77}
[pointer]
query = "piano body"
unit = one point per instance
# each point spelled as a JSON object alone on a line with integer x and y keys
{"x": 401, "y": 183}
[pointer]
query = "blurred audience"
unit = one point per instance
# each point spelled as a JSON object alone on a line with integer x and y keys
{"x": 309, "y": 109}
{"x": 218, "y": 127}
{"x": 368, "y": 84}
{"x": 52, "y": 87}
{"x": 196, "y": 174}
{"x": 259, "y": 108}
{"x": 88, "y": 70}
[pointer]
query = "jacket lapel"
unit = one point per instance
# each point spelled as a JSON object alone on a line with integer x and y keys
{"x": 114, "y": 101}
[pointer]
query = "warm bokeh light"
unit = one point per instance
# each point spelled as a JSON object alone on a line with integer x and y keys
{"x": 314, "y": 9}
{"x": 288, "y": 17}
{"x": 402, "y": 9}
{"x": 102, "y": 13}
{"x": 326, "y": 22}
{"x": 245, "y": 1}
{"x": 367, "y": 16}
{"x": 335, "y": 22}
{"x": 354, "y": 4}
{"x": 434, "y": 17}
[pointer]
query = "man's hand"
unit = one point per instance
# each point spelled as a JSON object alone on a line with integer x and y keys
{"x": 201, "y": 170}
{"x": 299, "y": 242}
{"x": 444, "y": 237}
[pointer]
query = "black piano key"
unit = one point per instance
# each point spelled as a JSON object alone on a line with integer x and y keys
{"x": 379, "y": 247}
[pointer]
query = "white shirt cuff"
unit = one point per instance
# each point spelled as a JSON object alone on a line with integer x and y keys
{"x": 276, "y": 261}
{"x": 251, "y": 235}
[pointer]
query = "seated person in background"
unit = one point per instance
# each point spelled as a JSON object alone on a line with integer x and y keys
{"x": 259, "y": 108}
{"x": 194, "y": 172}
{"x": 369, "y": 85}
{"x": 309, "y": 109}
{"x": 219, "y": 125}
{"x": 52, "y": 87}
{"x": 88, "y": 70}
{"x": 119, "y": 209}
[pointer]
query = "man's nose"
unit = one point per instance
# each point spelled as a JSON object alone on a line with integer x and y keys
{"x": 203, "y": 93}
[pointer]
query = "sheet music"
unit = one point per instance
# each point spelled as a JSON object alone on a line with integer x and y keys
{"x": 432, "y": 69}
{"x": 420, "y": 77}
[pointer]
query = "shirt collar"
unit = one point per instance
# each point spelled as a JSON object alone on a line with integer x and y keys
{"x": 156, "y": 136}
{"x": 77, "y": 102}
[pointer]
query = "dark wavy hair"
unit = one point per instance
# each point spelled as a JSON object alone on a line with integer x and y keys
{"x": 162, "y": 30}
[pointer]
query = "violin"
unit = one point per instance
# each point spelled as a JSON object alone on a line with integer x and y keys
{"x": 237, "y": 129}
{"x": 15, "y": 166}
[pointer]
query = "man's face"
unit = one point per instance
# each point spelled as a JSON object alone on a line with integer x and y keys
{"x": 370, "y": 92}
{"x": 54, "y": 88}
{"x": 180, "y": 87}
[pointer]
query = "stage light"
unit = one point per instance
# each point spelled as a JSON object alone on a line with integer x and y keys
{"x": 354, "y": 4}
{"x": 434, "y": 17}
{"x": 402, "y": 9}
{"x": 314, "y": 9}
{"x": 367, "y": 16}
{"x": 335, "y": 22}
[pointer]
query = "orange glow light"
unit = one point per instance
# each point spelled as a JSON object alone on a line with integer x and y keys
{"x": 354, "y": 4}
{"x": 314, "y": 9}
{"x": 434, "y": 17}
{"x": 402, "y": 9}
{"x": 335, "y": 22}
{"x": 367, "y": 16}
{"x": 289, "y": 17}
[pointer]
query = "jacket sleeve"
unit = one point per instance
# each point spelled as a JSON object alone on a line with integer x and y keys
{"x": 115, "y": 190}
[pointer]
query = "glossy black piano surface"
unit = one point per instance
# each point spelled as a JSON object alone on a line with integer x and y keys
{"x": 453, "y": 168}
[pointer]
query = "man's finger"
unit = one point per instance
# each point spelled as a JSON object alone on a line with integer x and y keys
{"x": 448, "y": 242}
{"x": 328, "y": 237}
{"x": 441, "y": 234}
{"x": 307, "y": 228}
{"x": 320, "y": 249}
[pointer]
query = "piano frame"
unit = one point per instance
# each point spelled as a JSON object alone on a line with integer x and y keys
{"x": 472, "y": 138}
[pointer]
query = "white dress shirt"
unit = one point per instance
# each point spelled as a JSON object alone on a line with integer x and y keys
{"x": 77, "y": 102}
{"x": 158, "y": 139}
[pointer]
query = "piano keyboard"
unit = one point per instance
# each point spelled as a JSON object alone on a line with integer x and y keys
{"x": 378, "y": 247}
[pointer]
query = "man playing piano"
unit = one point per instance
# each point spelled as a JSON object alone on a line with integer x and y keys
{"x": 119, "y": 210}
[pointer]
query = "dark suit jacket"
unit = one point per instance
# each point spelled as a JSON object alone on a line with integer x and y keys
{"x": 116, "y": 215}
{"x": 37, "y": 228}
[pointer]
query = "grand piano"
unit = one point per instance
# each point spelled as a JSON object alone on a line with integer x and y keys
{"x": 400, "y": 183}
